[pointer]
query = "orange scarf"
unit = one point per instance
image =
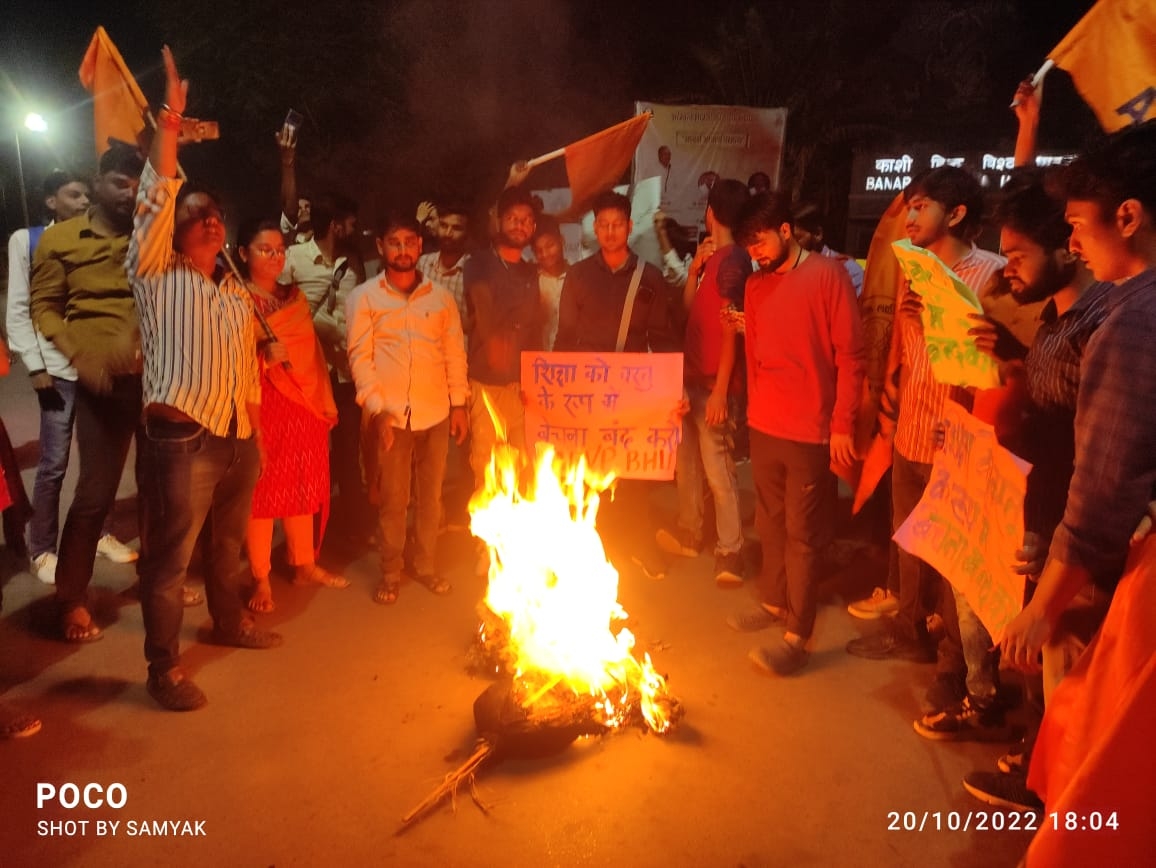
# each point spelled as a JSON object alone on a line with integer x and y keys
{"x": 306, "y": 382}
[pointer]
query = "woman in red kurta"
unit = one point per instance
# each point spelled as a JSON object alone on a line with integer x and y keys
{"x": 297, "y": 411}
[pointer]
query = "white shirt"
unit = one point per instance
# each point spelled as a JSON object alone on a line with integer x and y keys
{"x": 550, "y": 289}
{"x": 407, "y": 352}
{"x": 36, "y": 351}
{"x": 326, "y": 288}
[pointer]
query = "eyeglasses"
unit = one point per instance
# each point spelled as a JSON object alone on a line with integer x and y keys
{"x": 269, "y": 252}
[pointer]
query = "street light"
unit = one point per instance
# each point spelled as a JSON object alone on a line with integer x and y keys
{"x": 37, "y": 124}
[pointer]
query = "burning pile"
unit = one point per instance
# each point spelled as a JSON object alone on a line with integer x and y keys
{"x": 557, "y": 595}
{"x": 550, "y": 609}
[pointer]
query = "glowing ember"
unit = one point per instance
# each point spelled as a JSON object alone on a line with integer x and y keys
{"x": 551, "y": 584}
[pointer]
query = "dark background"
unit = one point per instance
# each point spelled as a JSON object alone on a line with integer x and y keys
{"x": 415, "y": 99}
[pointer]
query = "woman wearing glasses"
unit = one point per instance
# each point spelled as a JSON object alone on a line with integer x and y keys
{"x": 297, "y": 411}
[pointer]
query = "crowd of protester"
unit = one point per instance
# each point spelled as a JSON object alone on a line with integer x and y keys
{"x": 256, "y": 387}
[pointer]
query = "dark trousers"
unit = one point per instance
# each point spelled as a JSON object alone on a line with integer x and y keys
{"x": 105, "y": 425}
{"x": 419, "y": 456}
{"x": 351, "y": 509}
{"x": 189, "y": 480}
{"x": 922, "y": 590}
{"x": 795, "y": 498}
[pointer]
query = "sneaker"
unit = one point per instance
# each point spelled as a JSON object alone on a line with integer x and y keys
{"x": 44, "y": 567}
{"x": 110, "y": 548}
{"x": 781, "y": 659}
{"x": 651, "y": 564}
{"x": 728, "y": 570}
{"x": 1014, "y": 762}
{"x": 965, "y": 722}
{"x": 679, "y": 542}
{"x": 881, "y": 602}
{"x": 891, "y": 644}
{"x": 1003, "y": 790}
{"x": 754, "y": 620}
{"x": 946, "y": 691}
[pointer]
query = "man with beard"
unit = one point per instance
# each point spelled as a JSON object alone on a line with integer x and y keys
{"x": 446, "y": 266}
{"x": 408, "y": 359}
{"x": 805, "y": 368}
{"x": 1034, "y": 237}
{"x": 321, "y": 267}
{"x": 504, "y": 318}
{"x": 199, "y": 453}
{"x": 80, "y": 301}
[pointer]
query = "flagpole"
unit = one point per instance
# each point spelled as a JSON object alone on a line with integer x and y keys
{"x": 1038, "y": 78}
{"x": 553, "y": 155}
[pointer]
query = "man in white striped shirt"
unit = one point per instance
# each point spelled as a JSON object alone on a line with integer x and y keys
{"x": 199, "y": 457}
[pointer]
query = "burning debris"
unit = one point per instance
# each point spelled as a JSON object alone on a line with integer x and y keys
{"x": 548, "y": 621}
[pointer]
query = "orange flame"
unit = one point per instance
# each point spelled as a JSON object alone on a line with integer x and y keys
{"x": 550, "y": 582}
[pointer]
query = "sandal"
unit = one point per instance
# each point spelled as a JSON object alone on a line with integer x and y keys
{"x": 313, "y": 574}
{"x": 436, "y": 584}
{"x": 387, "y": 591}
{"x": 190, "y": 596}
{"x": 77, "y": 627}
{"x": 19, "y": 725}
{"x": 174, "y": 691}
{"x": 261, "y": 600}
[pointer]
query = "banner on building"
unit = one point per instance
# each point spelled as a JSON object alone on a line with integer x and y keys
{"x": 689, "y": 147}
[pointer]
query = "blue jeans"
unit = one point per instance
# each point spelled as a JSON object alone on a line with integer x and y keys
{"x": 982, "y": 664}
{"x": 706, "y": 450}
{"x": 796, "y": 497}
{"x": 419, "y": 456}
{"x": 57, "y": 413}
{"x": 105, "y": 426}
{"x": 190, "y": 479}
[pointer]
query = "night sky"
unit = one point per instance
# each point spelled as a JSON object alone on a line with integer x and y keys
{"x": 410, "y": 99}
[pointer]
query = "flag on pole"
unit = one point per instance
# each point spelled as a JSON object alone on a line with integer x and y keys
{"x": 882, "y": 280}
{"x": 597, "y": 162}
{"x": 119, "y": 107}
{"x": 1111, "y": 56}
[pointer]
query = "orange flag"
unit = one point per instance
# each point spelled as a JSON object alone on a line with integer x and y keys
{"x": 119, "y": 107}
{"x": 1111, "y": 56}
{"x": 1093, "y": 763}
{"x": 882, "y": 281}
{"x": 597, "y": 162}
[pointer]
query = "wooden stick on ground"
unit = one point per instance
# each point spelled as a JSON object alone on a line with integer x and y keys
{"x": 449, "y": 786}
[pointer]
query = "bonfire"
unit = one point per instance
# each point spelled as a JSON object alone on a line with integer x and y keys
{"x": 552, "y": 625}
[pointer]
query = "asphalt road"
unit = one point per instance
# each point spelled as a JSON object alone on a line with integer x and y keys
{"x": 310, "y": 754}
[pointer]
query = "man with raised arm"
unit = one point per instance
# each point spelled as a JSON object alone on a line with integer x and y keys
{"x": 199, "y": 455}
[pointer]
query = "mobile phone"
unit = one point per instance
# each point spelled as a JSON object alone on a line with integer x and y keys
{"x": 292, "y": 124}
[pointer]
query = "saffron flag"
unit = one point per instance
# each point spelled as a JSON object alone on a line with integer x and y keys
{"x": 1111, "y": 56}
{"x": 597, "y": 162}
{"x": 882, "y": 280}
{"x": 118, "y": 106}
{"x": 1093, "y": 763}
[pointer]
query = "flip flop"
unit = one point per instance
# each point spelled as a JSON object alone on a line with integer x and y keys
{"x": 77, "y": 630}
{"x": 318, "y": 575}
{"x": 386, "y": 592}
